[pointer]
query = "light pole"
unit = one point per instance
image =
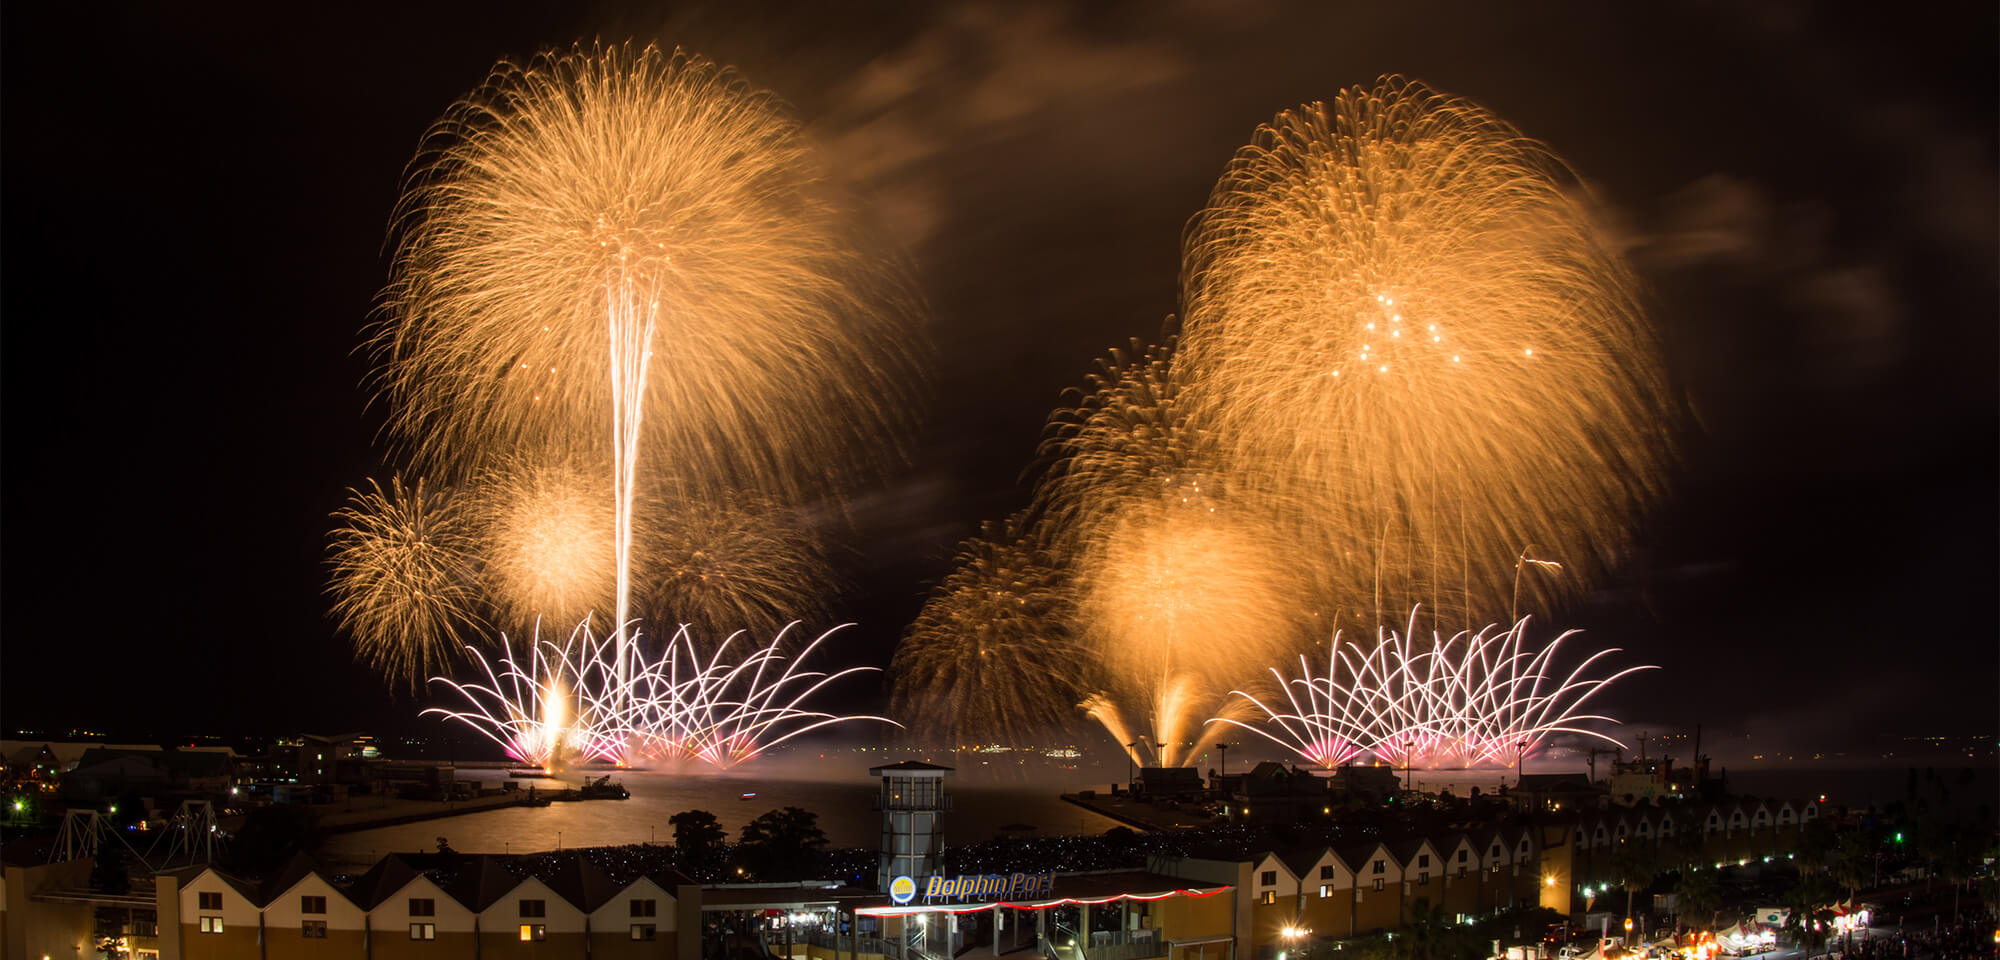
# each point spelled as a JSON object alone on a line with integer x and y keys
{"x": 1223, "y": 749}
{"x": 1134, "y": 745}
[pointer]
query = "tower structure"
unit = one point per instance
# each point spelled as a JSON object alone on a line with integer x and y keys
{"x": 913, "y": 804}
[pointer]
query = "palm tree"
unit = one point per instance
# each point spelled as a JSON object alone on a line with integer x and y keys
{"x": 1634, "y": 867}
{"x": 1699, "y": 893}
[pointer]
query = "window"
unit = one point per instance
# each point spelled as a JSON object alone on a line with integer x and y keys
{"x": 211, "y": 924}
{"x": 1461, "y": 854}
{"x": 1268, "y": 878}
{"x": 312, "y": 904}
{"x": 312, "y": 929}
{"x": 1378, "y": 884}
{"x": 645, "y": 908}
{"x": 1423, "y": 859}
{"x": 423, "y": 907}
{"x": 533, "y": 908}
{"x": 1325, "y": 890}
{"x": 642, "y": 931}
{"x": 1379, "y": 868}
{"x": 423, "y": 931}
{"x": 534, "y": 931}
{"x": 1423, "y": 876}
{"x": 1461, "y": 871}
{"x": 1496, "y": 850}
{"x": 210, "y": 900}
{"x": 1269, "y": 897}
{"x": 1326, "y": 872}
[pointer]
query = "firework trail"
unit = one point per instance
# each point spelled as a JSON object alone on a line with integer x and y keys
{"x": 723, "y": 564}
{"x": 404, "y": 577}
{"x": 1402, "y": 322}
{"x": 545, "y": 535}
{"x": 574, "y": 217}
{"x": 724, "y": 712}
{"x": 991, "y": 659}
{"x": 1476, "y": 699}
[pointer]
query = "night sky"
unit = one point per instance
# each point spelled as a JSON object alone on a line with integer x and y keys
{"x": 196, "y": 200}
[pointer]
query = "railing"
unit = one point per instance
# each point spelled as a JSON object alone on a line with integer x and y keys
{"x": 1126, "y": 945}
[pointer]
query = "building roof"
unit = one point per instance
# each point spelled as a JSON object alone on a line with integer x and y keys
{"x": 908, "y": 766}
{"x": 1087, "y": 887}
{"x": 382, "y": 881}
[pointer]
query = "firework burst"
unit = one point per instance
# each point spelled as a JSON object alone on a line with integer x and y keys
{"x": 1476, "y": 699}
{"x": 596, "y": 254}
{"x": 404, "y": 583}
{"x": 991, "y": 658}
{"x": 1402, "y": 320}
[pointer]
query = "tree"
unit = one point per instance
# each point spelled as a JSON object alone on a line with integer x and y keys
{"x": 1699, "y": 893}
{"x": 1810, "y": 901}
{"x": 1634, "y": 867}
{"x": 782, "y": 845}
{"x": 699, "y": 838}
{"x": 1853, "y": 859}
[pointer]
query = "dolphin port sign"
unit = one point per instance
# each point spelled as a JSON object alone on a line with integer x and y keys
{"x": 990, "y": 886}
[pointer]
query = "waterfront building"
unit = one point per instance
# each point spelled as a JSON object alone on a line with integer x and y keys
{"x": 913, "y": 803}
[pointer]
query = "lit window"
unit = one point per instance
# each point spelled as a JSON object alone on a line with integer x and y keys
{"x": 1269, "y": 897}
{"x": 211, "y": 924}
{"x": 534, "y": 931}
{"x": 642, "y": 931}
{"x": 1378, "y": 884}
{"x": 312, "y": 929}
{"x": 312, "y": 904}
{"x": 423, "y": 931}
{"x": 1325, "y": 890}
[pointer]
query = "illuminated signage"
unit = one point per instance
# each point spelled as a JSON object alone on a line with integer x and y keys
{"x": 902, "y": 890}
{"x": 990, "y": 886}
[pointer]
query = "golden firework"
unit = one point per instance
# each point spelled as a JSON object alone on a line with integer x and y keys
{"x": 990, "y": 659}
{"x": 545, "y": 533}
{"x": 404, "y": 577}
{"x": 726, "y": 564}
{"x": 1404, "y": 326}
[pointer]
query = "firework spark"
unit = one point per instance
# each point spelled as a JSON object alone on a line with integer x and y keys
{"x": 1476, "y": 699}
{"x": 1402, "y": 320}
{"x": 403, "y": 577}
{"x": 574, "y": 217}
{"x": 991, "y": 659}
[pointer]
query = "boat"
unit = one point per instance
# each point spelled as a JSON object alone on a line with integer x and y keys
{"x": 603, "y": 789}
{"x": 748, "y": 796}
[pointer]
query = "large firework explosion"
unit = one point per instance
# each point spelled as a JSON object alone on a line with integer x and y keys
{"x": 573, "y": 218}
{"x": 405, "y": 582}
{"x": 990, "y": 659}
{"x": 1402, "y": 322}
{"x": 1477, "y": 699}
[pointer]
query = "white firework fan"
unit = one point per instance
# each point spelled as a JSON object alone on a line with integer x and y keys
{"x": 551, "y": 709}
{"x": 1473, "y": 700}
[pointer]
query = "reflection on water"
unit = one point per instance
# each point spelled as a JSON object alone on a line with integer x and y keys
{"x": 844, "y": 807}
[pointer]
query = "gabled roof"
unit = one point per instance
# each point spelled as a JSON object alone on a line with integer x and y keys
{"x": 187, "y": 875}
{"x": 385, "y": 879}
{"x": 1407, "y": 848}
{"x": 1301, "y": 862}
{"x": 297, "y": 868}
{"x": 1357, "y": 855}
{"x": 479, "y": 883}
{"x": 581, "y": 883}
